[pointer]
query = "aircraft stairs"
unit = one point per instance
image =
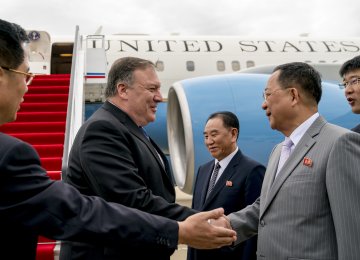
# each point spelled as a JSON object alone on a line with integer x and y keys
{"x": 41, "y": 122}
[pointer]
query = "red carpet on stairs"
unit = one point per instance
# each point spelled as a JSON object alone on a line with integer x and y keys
{"x": 41, "y": 122}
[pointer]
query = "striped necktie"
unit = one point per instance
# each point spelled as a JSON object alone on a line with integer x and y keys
{"x": 213, "y": 179}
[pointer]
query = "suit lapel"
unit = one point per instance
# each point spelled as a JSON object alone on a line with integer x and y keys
{"x": 134, "y": 129}
{"x": 208, "y": 169}
{"x": 301, "y": 149}
{"x": 270, "y": 173}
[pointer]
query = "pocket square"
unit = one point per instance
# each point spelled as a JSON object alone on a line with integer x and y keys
{"x": 307, "y": 162}
{"x": 228, "y": 184}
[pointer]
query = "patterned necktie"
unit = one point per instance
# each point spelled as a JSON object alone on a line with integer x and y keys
{"x": 285, "y": 153}
{"x": 213, "y": 179}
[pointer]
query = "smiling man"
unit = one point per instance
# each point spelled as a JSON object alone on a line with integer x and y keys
{"x": 350, "y": 72}
{"x": 112, "y": 157}
{"x": 31, "y": 204}
{"x": 233, "y": 185}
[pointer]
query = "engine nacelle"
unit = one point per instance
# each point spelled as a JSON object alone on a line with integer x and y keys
{"x": 191, "y": 101}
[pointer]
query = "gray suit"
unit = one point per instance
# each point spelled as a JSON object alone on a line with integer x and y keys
{"x": 312, "y": 209}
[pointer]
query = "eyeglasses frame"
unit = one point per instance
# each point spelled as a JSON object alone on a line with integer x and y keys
{"x": 352, "y": 82}
{"x": 29, "y": 76}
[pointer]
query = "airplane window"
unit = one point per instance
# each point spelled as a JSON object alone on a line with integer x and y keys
{"x": 322, "y": 61}
{"x": 190, "y": 65}
{"x": 159, "y": 65}
{"x": 235, "y": 65}
{"x": 220, "y": 65}
{"x": 250, "y": 64}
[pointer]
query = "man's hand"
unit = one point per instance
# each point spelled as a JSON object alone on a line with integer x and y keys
{"x": 197, "y": 232}
{"x": 222, "y": 221}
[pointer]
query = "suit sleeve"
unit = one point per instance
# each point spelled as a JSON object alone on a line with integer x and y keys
{"x": 253, "y": 186}
{"x": 57, "y": 210}
{"x": 343, "y": 187}
{"x": 245, "y": 222}
{"x": 107, "y": 157}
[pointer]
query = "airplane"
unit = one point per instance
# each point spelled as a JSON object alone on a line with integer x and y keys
{"x": 199, "y": 75}
{"x": 180, "y": 57}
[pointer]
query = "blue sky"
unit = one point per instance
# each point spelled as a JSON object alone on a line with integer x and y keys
{"x": 278, "y": 18}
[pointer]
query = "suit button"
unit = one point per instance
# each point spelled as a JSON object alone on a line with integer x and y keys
{"x": 262, "y": 223}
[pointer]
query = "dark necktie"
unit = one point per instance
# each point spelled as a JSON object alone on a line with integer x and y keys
{"x": 213, "y": 179}
{"x": 147, "y": 136}
{"x": 144, "y": 132}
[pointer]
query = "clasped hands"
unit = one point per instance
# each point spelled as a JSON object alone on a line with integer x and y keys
{"x": 198, "y": 231}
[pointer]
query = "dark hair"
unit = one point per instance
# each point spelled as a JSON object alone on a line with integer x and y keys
{"x": 303, "y": 75}
{"x": 229, "y": 119}
{"x": 12, "y": 36}
{"x": 350, "y": 65}
{"x": 122, "y": 71}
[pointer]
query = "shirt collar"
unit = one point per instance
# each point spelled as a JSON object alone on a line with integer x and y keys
{"x": 299, "y": 132}
{"x": 224, "y": 162}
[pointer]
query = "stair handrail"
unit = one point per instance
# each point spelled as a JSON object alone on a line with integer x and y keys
{"x": 75, "y": 108}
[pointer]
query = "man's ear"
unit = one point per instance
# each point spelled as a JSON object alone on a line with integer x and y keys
{"x": 295, "y": 95}
{"x": 234, "y": 133}
{"x": 122, "y": 90}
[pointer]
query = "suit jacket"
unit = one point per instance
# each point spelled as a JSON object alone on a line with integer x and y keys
{"x": 238, "y": 186}
{"x": 113, "y": 159}
{"x": 31, "y": 204}
{"x": 356, "y": 129}
{"x": 311, "y": 210}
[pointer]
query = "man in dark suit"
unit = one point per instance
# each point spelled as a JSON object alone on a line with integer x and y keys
{"x": 237, "y": 184}
{"x": 350, "y": 72}
{"x": 31, "y": 204}
{"x": 113, "y": 158}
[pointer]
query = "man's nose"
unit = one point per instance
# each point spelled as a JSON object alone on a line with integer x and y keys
{"x": 158, "y": 97}
{"x": 349, "y": 90}
{"x": 264, "y": 105}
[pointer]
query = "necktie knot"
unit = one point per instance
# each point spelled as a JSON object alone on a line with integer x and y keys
{"x": 287, "y": 143}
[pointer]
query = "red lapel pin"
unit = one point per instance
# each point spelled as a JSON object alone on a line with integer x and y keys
{"x": 307, "y": 162}
{"x": 228, "y": 184}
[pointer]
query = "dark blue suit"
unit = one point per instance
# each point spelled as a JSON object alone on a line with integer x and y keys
{"x": 356, "y": 129}
{"x": 238, "y": 186}
{"x": 111, "y": 158}
{"x": 31, "y": 204}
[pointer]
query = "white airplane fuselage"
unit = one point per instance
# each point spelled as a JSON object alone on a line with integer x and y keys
{"x": 179, "y": 57}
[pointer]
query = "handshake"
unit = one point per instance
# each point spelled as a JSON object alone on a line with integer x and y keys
{"x": 198, "y": 231}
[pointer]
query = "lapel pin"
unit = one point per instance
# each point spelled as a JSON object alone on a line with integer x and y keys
{"x": 228, "y": 184}
{"x": 307, "y": 162}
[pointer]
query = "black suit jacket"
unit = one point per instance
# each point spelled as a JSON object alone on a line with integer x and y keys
{"x": 238, "y": 186}
{"x": 31, "y": 204}
{"x": 112, "y": 158}
{"x": 356, "y": 129}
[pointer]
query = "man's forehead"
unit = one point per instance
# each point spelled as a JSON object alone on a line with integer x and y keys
{"x": 352, "y": 74}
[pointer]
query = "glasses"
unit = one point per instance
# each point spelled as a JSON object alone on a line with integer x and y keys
{"x": 28, "y": 76}
{"x": 350, "y": 83}
{"x": 266, "y": 95}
